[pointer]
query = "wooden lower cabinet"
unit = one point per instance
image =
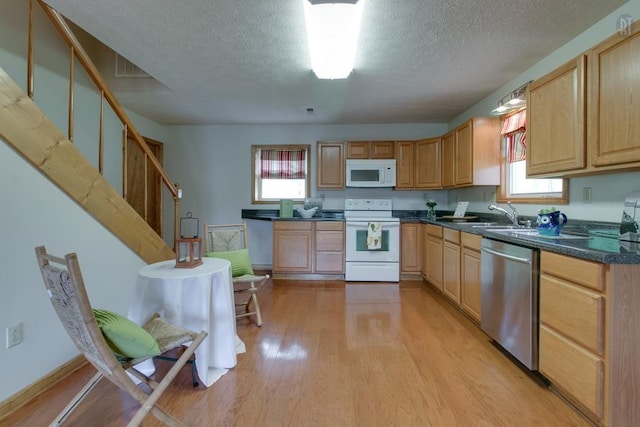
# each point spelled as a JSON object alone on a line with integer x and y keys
{"x": 410, "y": 249}
{"x": 292, "y": 247}
{"x": 433, "y": 255}
{"x": 329, "y": 247}
{"x": 451, "y": 265}
{"x": 470, "y": 278}
{"x": 589, "y": 335}
{"x": 572, "y": 329}
{"x": 308, "y": 248}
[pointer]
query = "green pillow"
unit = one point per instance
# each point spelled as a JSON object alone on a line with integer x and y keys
{"x": 125, "y": 337}
{"x": 240, "y": 262}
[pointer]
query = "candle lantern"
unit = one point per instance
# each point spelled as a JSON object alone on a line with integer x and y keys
{"x": 189, "y": 245}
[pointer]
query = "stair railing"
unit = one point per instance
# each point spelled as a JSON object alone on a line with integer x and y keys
{"x": 129, "y": 130}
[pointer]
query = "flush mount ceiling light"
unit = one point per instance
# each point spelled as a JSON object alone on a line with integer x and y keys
{"x": 512, "y": 101}
{"x": 332, "y": 33}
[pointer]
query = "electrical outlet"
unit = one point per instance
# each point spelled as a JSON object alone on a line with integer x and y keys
{"x": 586, "y": 195}
{"x": 14, "y": 335}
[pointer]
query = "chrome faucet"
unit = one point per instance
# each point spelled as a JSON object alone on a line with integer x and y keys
{"x": 513, "y": 216}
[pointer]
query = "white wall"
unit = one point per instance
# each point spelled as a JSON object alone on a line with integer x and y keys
{"x": 34, "y": 212}
{"x": 213, "y": 165}
{"x": 609, "y": 191}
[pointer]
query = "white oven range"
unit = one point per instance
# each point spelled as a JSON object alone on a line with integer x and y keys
{"x": 362, "y": 262}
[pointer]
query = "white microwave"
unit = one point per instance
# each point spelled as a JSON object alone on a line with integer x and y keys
{"x": 371, "y": 173}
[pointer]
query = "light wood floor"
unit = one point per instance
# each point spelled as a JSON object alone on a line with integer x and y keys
{"x": 330, "y": 354}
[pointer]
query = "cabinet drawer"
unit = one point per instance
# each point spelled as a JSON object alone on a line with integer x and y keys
{"x": 329, "y": 241}
{"x": 434, "y": 230}
{"x": 450, "y": 235}
{"x": 573, "y": 311}
{"x": 572, "y": 369}
{"x": 330, "y": 225}
{"x": 330, "y": 262}
{"x": 585, "y": 273}
{"x": 472, "y": 241}
{"x": 292, "y": 225}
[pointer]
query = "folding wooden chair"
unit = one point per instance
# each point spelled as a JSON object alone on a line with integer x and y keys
{"x": 65, "y": 285}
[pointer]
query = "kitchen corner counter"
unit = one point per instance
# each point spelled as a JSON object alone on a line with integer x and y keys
{"x": 274, "y": 215}
{"x": 599, "y": 244}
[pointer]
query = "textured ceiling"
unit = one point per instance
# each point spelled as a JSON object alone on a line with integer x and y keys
{"x": 236, "y": 62}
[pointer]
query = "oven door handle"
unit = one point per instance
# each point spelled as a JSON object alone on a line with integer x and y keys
{"x": 363, "y": 224}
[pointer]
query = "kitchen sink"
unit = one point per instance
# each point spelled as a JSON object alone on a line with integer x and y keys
{"x": 494, "y": 226}
{"x": 523, "y": 232}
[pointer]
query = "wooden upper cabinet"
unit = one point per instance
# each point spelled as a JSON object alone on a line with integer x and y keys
{"x": 471, "y": 153}
{"x": 477, "y": 152}
{"x": 382, "y": 149}
{"x": 370, "y": 150}
{"x": 405, "y": 165}
{"x": 330, "y": 166}
{"x": 463, "y": 170}
{"x": 358, "y": 150}
{"x": 613, "y": 93}
{"x": 556, "y": 138}
{"x": 428, "y": 163}
{"x": 448, "y": 159}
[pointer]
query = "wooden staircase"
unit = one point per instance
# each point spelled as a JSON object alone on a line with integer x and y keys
{"x": 27, "y": 129}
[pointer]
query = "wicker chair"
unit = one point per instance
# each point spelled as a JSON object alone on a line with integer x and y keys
{"x": 64, "y": 283}
{"x": 233, "y": 237}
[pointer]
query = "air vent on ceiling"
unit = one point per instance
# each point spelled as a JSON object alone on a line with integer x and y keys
{"x": 127, "y": 69}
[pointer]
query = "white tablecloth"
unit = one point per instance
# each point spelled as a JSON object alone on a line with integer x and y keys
{"x": 199, "y": 298}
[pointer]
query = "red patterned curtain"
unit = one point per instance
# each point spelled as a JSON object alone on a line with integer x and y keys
{"x": 282, "y": 164}
{"x": 514, "y": 131}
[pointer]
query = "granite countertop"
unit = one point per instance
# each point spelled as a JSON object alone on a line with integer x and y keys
{"x": 600, "y": 242}
{"x": 274, "y": 215}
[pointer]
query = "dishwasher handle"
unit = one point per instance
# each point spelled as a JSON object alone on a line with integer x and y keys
{"x": 507, "y": 256}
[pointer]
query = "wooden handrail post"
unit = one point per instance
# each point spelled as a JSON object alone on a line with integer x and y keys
{"x": 71, "y": 78}
{"x": 30, "y": 53}
{"x": 176, "y": 214}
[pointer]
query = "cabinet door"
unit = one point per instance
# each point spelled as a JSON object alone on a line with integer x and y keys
{"x": 405, "y": 162}
{"x": 424, "y": 238}
{"x": 382, "y": 150}
{"x": 358, "y": 150}
{"x": 614, "y": 90}
{"x": 463, "y": 171}
{"x": 292, "y": 247}
{"x": 410, "y": 248}
{"x": 471, "y": 289}
{"x": 556, "y": 138}
{"x": 331, "y": 166}
{"x": 451, "y": 271}
{"x": 428, "y": 163}
{"x": 448, "y": 159}
{"x": 470, "y": 277}
{"x": 433, "y": 269}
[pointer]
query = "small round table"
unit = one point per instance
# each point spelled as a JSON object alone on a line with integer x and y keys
{"x": 199, "y": 298}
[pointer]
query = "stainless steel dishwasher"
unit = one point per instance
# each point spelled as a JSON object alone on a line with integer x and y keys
{"x": 510, "y": 298}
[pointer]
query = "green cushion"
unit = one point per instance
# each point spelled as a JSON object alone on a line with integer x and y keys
{"x": 125, "y": 337}
{"x": 240, "y": 262}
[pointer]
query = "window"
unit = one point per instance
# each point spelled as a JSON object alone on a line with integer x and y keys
{"x": 280, "y": 172}
{"x": 514, "y": 184}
